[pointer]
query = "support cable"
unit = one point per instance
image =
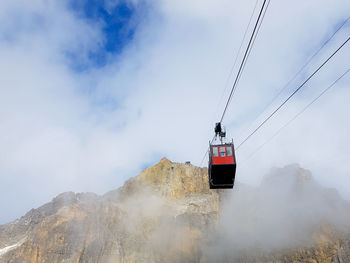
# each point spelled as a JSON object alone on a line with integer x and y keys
{"x": 250, "y": 49}
{"x": 298, "y": 89}
{"x": 245, "y": 57}
{"x": 296, "y": 116}
{"x": 301, "y": 69}
{"x": 237, "y": 55}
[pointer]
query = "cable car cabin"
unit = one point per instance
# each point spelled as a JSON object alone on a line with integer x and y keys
{"x": 222, "y": 166}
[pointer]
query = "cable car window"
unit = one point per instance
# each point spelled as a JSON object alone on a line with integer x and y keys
{"x": 215, "y": 152}
{"x": 222, "y": 151}
{"x": 229, "y": 150}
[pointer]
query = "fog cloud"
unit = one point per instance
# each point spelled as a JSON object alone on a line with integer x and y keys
{"x": 64, "y": 129}
{"x": 289, "y": 209}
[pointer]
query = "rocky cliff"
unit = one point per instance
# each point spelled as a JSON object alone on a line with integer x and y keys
{"x": 168, "y": 214}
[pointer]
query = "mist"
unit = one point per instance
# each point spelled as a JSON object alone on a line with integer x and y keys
{"x": 168, "y": 213}
{"x": 288, "y": 210}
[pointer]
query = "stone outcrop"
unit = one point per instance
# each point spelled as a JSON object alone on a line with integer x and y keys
{"x": 169, "y": 214}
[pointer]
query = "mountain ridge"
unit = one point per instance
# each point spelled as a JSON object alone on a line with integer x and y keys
{"x": 167, "y": 213}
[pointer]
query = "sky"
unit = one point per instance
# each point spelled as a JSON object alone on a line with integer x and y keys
{"x": 92, "y": 92}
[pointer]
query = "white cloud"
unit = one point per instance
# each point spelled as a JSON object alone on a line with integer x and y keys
{"x": 58, "y": 133}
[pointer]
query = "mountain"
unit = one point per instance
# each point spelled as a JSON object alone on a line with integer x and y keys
{"x": 168, "y": 214}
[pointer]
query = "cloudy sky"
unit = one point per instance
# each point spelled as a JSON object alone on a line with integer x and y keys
{"x": 92, "y": 92}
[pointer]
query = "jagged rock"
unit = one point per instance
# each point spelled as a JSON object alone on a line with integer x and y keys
{"x": 168, "y": 214}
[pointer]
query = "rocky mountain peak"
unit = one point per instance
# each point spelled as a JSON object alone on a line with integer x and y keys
{"x": 165, "y": 160}
{"x": 168, "y": 214}
{"x": 171, "y": 180}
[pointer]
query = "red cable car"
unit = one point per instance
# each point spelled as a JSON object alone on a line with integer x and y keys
{"x": 222, "y": 162}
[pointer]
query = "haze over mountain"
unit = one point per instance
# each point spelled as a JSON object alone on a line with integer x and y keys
{"x": 168, "y": 214}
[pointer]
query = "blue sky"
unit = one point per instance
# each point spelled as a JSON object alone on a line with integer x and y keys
{"x": 92, "y": 92}
{"x": 118, "y": 23}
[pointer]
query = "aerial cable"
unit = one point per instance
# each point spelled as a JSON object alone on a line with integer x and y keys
{"x": 250, "y": 49}
{"x": 308, "y": 62}
{"x": 298, "y": 89}
{"x": 302, "y": 68}
{"x": 296, "y": 116}
{"x": 238, "y": 52}
{"x": 255, "y": 36}
{"x": 245, "y": 57}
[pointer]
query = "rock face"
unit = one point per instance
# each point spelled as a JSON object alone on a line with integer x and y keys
{"x": 168, "y": 214}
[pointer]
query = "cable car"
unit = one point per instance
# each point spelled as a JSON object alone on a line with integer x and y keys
{"x": 222, "y": 162}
